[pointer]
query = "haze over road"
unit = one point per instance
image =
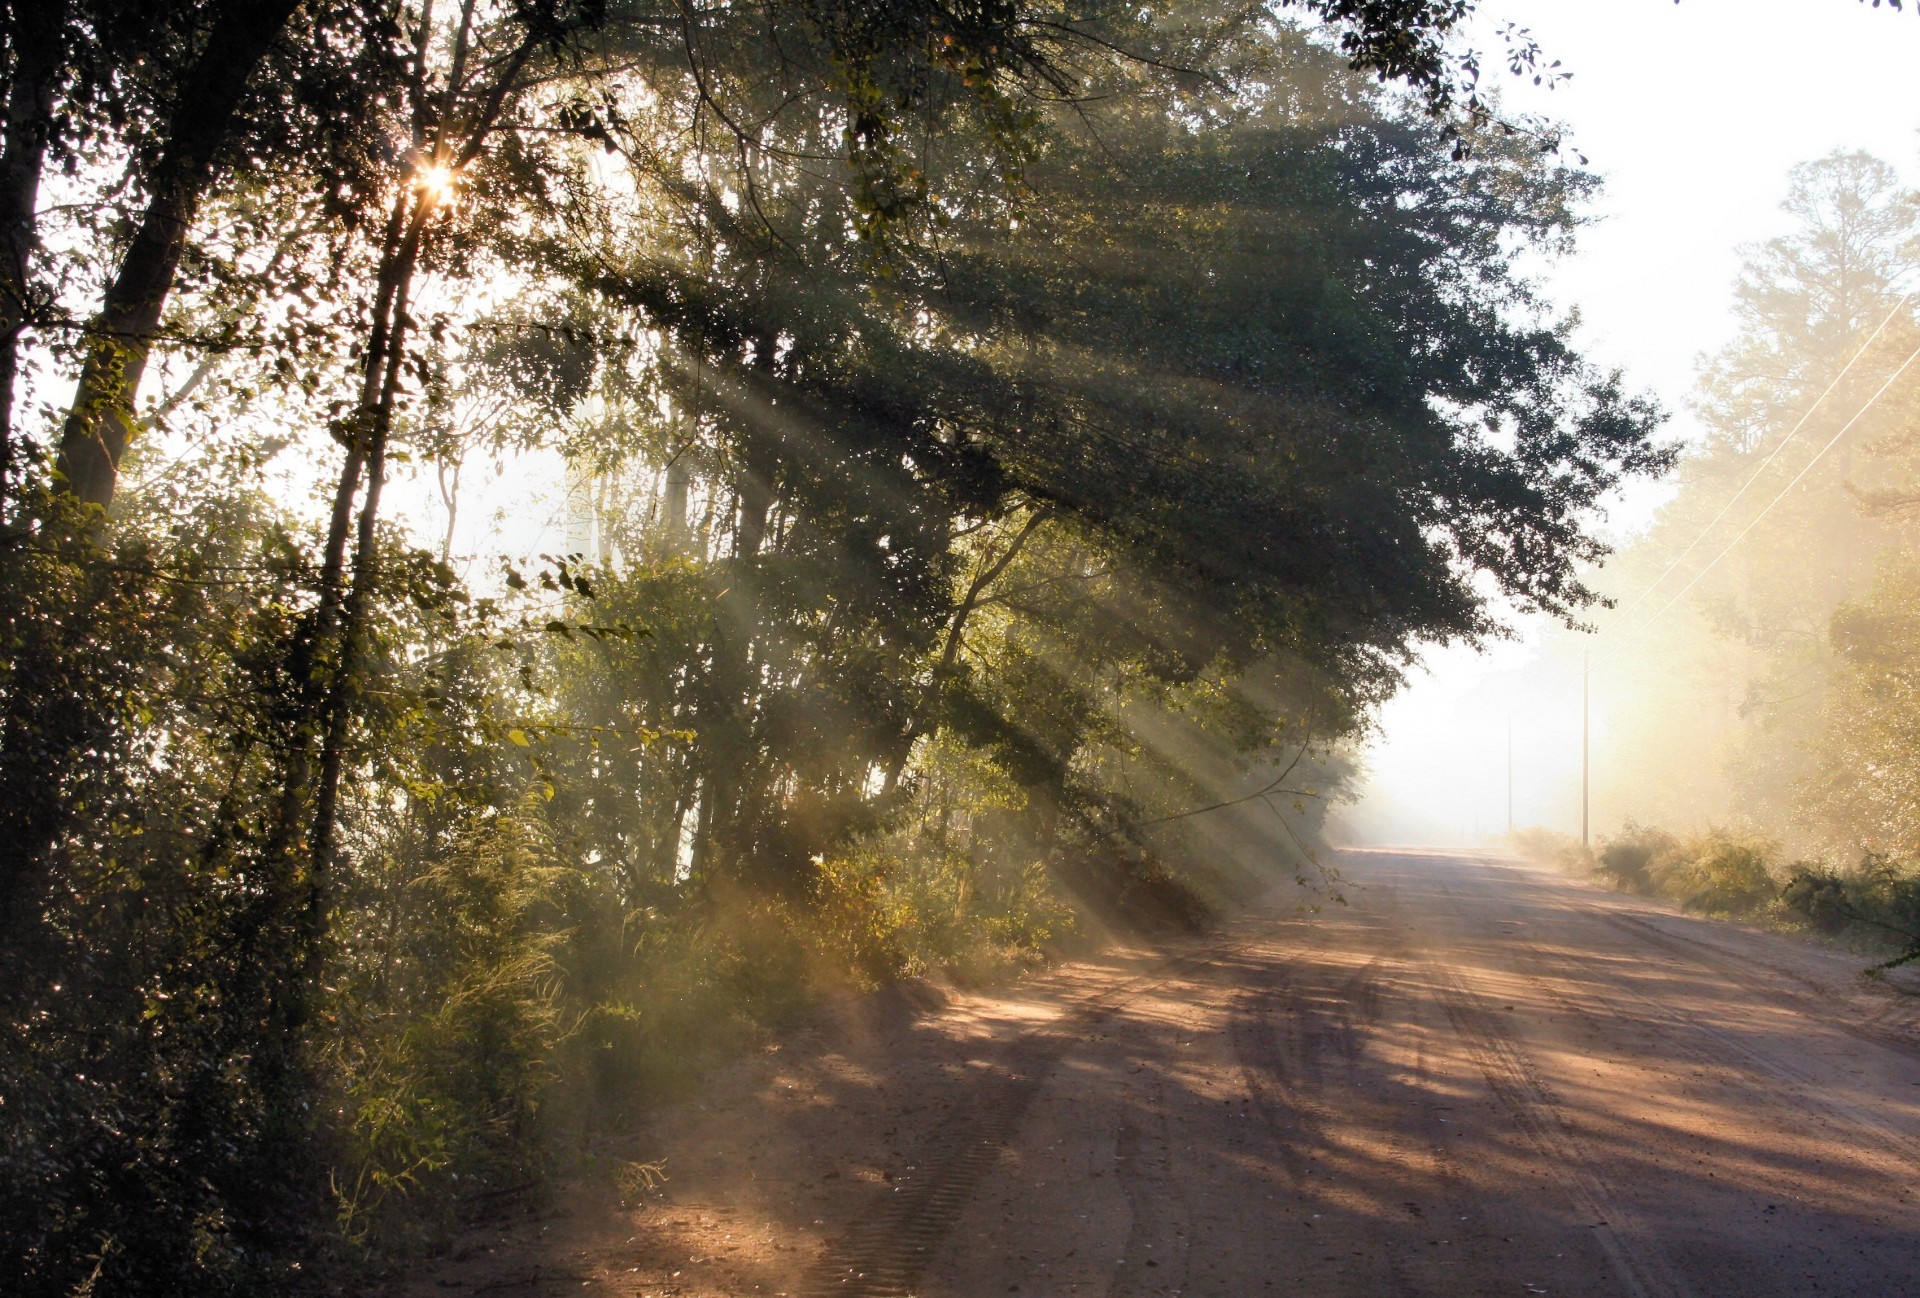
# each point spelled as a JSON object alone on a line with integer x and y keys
{"x": 1476, "y": 1078}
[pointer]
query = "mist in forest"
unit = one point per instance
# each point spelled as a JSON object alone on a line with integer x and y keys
{"x": 1748, "y": 676}
{"x": 540, "y": 542}
{"x": 1732, "y": 726}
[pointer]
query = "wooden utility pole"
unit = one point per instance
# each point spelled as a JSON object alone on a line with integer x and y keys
{"x": 1586, "y": 669}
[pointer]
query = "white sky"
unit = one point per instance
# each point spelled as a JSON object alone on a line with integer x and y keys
{"x": 1693, "y": 113}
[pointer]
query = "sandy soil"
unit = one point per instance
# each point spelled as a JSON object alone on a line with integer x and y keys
{"x": 1477, "y": 1078}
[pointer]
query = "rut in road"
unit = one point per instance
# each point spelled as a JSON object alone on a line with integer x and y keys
{"x": 1474, "y": 1080}
{"x": 1895, "y": 1154}
{"x": 1282, "y": 1036}
{"x": 1637, "y": 1259}
{"x": 884, "y": 1256}
{"x": 1875, "y": 1142}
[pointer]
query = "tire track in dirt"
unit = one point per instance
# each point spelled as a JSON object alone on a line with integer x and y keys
{"x": 1157, "y": 1202}
{"x": 1898, "y": 1156}
{"x": 1420, "y": 1078}
{"x": 1265, "y": 1065}
{"x": 885, "y": 1255}
{"x": 1281, "y": 1069}
{"x": 1637, "y": 1258}
{"x": 1363, "y": 993}
{"x": 1814, "y": 1001}
{"x": 1734, "y": 1060}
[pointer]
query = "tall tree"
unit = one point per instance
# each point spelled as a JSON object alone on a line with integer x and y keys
{"x": 238, "y": 36}
{"x": 1767, "y": 535}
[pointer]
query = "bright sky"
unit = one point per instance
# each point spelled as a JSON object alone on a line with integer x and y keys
{"x": 1693, "y": 113}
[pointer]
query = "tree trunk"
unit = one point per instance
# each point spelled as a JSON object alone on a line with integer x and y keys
{"x": 101, "y": 422}
{"x": 922, "y": 723}
{"x": 29, "y": 125}
{"x": 366, "y": 568}
{"x": 308, "y": 665}
{"x": 335, "y": 688}
{"x": 674, "y": 506}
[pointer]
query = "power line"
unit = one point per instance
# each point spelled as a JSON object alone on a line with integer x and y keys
{"x": 1754, "y": 521}
{"x": 1585, "y": 687}
{"x": 1585, "y": 723}
{"x": 1641, "y": 598}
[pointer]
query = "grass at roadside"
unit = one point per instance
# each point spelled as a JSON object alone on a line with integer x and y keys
{"x": 1870, "y": 907}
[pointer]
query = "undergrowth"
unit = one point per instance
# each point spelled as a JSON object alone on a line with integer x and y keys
{"x": 558, "y": 1010}
{"x": 1871, "y": 905}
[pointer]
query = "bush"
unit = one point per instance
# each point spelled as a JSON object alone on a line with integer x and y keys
{"x": 1632, "y": 859}
{"x": 1545, "y": 847}
{"x": 1877, "y": 901}
{"x": 1821, "y": 896}
{"x": 1718, "y": 873}
{"x": 1135, "y": 895}
{"x": 442, "y": 1080}
{"x": 1721, "y": 874}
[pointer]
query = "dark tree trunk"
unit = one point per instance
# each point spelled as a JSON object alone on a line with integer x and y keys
{"x": 328, "y": 662}
{"x": 366, "y": 568}
{"x": 674, "y": 507}
{"x": 924, "y": 722}
{"x": 38, "y": 30}
{"x": 101, "y": 422}
{"x": 310, "y": 656}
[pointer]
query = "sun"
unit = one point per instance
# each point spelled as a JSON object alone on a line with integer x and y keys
{"x": 436, "y": 181}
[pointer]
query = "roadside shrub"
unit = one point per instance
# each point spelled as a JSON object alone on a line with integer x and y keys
{"x": 1717, "y": 873}
{"x": 1896, "y": 896}
{"x": 691, "y": 988}
{"x": 910, "y": 903}
{"x": 1630, "y": 860}
{"x": 1721, "y": 874}
{"x": 1821, "y": 896}
{"x": 441, "y": 1087}
{"x": 1877, "y": 901}
{"x": 1545, "y": 847}
{"x": 1134, "y": 895}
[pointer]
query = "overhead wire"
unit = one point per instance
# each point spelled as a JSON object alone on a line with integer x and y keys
{"x": 1780, "y": 446}
{"x": 1755, "y": 520}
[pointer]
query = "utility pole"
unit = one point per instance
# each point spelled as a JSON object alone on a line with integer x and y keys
{"x": 1509, "y": 775}
{"x": 1586, "y": 669}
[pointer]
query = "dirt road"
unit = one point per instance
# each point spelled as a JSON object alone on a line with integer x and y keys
{"x": 1476, "y": 1078}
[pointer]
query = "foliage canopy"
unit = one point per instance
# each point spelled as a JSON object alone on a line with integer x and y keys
{"x": 1007, "y": 448}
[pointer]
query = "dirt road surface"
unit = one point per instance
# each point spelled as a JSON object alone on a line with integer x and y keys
{"x": 1478, "y": 1077}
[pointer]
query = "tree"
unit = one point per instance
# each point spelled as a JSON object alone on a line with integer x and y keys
{"x": 1800, "y": 477}
{"x": 1806, "y": 299}
{"x": 217, "y": 108}
{"x": 1027, "y": 441}
{"x": 1269, "y": 328}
